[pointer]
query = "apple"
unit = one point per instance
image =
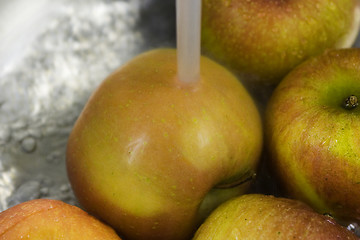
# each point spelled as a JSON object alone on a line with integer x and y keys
{"x": 51, "y": 219}
{"x": 264, "y": 40}
{"x": 152, "y": 156}
{"x": 312, "y": 128}
{"x": 257, "y": 216}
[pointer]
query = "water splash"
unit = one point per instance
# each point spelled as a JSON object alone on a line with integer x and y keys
{"x": 42, "y": 94}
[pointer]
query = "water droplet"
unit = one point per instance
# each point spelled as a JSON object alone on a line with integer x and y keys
{"x": 28, "y": 144}
{"x": 355, "y": 228}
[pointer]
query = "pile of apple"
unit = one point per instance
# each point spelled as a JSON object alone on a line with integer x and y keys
{"x": 155, "y": 159}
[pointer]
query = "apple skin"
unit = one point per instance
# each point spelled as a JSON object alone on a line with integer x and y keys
{"x": 313, "y": 142}
{"x": 149, "y": 155}
{"x": 51, "y": 219}
{"x": 257, "y": 216}
{"x": 264, "y": 40}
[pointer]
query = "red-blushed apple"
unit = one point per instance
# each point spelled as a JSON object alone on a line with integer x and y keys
{"x": 151, "y": 156}
{"x": 51, "y": 219}
{"x": 264, "y": 40}
{"x": 313, "y": 133}
{"x": 257, "y": 216}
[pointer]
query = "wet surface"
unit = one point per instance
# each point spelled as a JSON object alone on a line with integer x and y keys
{"x": 45, "y": 82}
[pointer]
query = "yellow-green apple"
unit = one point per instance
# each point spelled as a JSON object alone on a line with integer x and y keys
{"x": 265, "y": 39}
{"x": 312, "y": 133}
{"x": 257, "y": 216}
{"x": 151, "y": 156}
{"x": 51, "y": 219}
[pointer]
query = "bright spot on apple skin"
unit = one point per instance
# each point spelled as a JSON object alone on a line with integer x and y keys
{"x": 136, "y": 146}
{"x": 235, "y": 233}
{"x": 204, "y": 137}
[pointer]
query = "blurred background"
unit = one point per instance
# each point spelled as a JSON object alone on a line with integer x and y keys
{"x": 53, "y": 54}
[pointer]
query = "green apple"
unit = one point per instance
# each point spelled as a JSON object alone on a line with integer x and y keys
{"x": 313, "y": 133}
{"x": 51, "y": 219}
{"x": 264, "y": 40}
{"x": 257, "y": 216}
{"x": 152, "y": 156}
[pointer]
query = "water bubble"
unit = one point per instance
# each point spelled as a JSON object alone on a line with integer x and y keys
{"x": 28, "y": 144}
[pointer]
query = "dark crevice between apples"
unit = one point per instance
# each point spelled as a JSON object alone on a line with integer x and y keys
{"x": 249, "y": 176}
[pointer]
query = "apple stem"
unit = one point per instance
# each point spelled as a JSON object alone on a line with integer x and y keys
{"x": 188, "y": 17}
{"x": 351, "y": 102}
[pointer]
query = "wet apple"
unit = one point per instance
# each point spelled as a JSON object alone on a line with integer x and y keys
{"x": 152, "y": 156}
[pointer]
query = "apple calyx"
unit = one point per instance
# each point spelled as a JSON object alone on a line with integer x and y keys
{"x": 249, "y": 176}
{"x": 351, "y": 102}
